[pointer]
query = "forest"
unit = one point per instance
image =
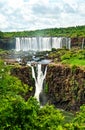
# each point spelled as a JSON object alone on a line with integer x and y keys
{"x": 77, "y": 31}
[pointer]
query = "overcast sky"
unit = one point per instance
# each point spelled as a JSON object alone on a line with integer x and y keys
{"x": 19, "y": 15}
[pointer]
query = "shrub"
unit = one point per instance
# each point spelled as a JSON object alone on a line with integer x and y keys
{"x": 66, "y": 56}
{"x": 49, "y": 118}
{"x": 78, "y": 122}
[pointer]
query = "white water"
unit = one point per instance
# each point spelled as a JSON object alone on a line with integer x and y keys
{"x": 39, "y": 79}
{"x": 46, "y": 43}
{"x": 17, "y": 44}
{"x": 41, "y": 43}
{"x": 60, "y": 42}
{"x": 83, "y": 43}
{"x": 68, "y": 43}
{"x": 56, "y": 42}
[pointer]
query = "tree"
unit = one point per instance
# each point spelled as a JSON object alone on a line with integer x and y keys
{"x": 1, "y": 34}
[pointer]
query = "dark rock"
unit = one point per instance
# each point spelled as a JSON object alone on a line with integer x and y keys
{"x": 66, "y": 89}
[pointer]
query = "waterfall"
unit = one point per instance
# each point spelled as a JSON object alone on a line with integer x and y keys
{"x": 59, "y": 42}
{"x": 83, "y": 43}
{"x": 41, "y": 43}
{"x": 68, "y": 43}
{"x": 17, "y": 44}
{"x": 34, "y": 44}
{"x": 56, "y": 42}
{"x": 46, "y": 43}
{"x": 39, "y": 79}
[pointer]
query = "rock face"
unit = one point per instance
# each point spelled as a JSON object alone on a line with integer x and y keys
{"x": 76, "y": 42}
{"x": 25, "y": 75}
{"x": 66, "y": 86}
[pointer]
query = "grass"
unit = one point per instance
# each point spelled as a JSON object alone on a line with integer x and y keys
{"x": 74, "y": 61}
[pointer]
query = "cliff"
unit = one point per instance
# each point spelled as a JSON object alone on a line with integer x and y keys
{"x": 65, "y": 85}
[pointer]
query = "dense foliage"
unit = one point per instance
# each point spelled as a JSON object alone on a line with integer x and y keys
{"x": 78, "y": 122}
{"x": 78, "y": 31}
{"x": 72, "y": 57}
{"x": 18, "y": 114}
{"x": 1, "y": 34}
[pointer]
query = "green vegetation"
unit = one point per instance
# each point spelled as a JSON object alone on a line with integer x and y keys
{"x": 46, "y": 88}
{"x": 78, "y": 31}
{"x": 18, "y": 114}
{"x": 1, "y": 34}
{"x": 78, "y": 123}
{"x": 10, "y": 85}
{"x": 73, "y": 56}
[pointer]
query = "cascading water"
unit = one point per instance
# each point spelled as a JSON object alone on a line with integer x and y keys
{"x": 56, "y": 42}
{"x": 34, "y": 44}
{"x": 83, "y": 40}
{"x": 39, "y": 79}
{"x": 39, "y": 70}
{"x": 69, "y": 43}
{"x": 46, "y": 43}
{"x": 41, "y": 43}
{"x": 17, "y": 44}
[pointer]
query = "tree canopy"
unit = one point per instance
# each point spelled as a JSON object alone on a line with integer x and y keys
{"x": 1, "y": 34}
{"x": 77, "y": 31}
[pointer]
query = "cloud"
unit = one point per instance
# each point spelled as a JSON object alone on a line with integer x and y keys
{"x": 16, "y": 15}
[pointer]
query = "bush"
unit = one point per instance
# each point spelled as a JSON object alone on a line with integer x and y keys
{"x": 15, "y": 113}
{"x": 50, "y": 118}
{"x": 78, "y": 122}
{"x": 66, "y": 56}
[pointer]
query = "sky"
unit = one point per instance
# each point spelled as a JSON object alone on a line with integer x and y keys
{"x": 21, "y": 15}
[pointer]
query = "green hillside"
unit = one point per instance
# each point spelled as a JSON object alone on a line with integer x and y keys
{"x": 77, "y": 31}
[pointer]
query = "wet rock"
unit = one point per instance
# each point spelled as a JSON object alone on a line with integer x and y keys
{"x": 66, "y": 88}
{"x": 10, "y": 61}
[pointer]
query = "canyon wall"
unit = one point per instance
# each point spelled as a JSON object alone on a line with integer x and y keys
{"x": 65, "y": 85}
{"x": 25, "y": 75}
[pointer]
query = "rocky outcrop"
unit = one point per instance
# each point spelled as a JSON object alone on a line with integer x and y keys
{"x": 25, "y": 75}
{"x": 77, "y": 42}
{"x": 66, "y": 86}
